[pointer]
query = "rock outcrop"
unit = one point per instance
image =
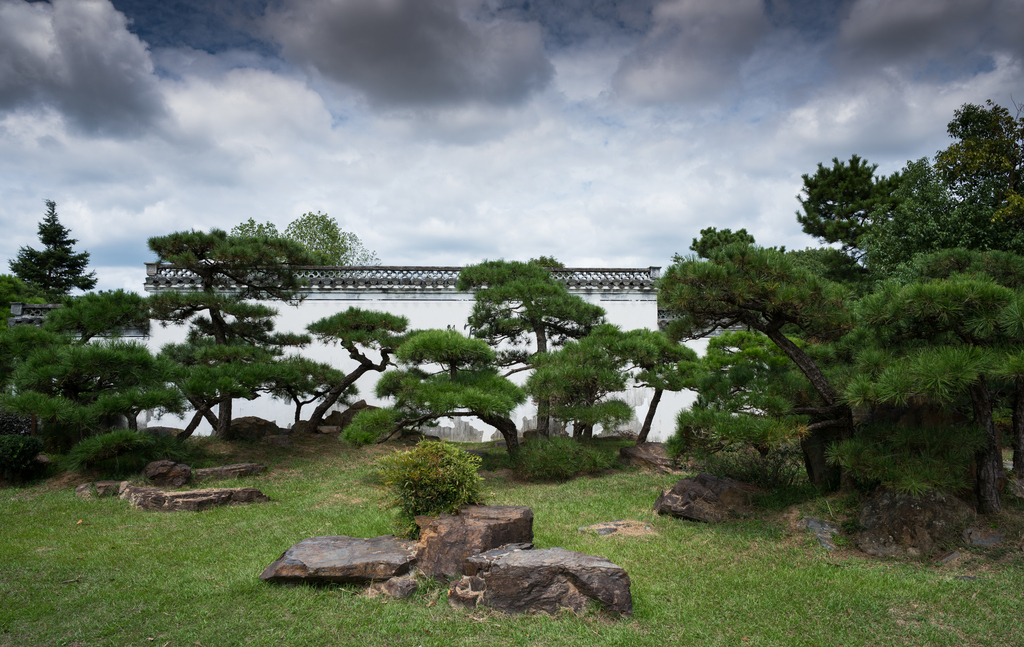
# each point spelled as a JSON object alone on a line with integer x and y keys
{"x": 227, "y": 471}
{"x": 151, "y": 498}
{"x": 647, "y": 456}
{"x": 524, "y": 581}
{"x": 903, "y": 525}
{"x": 252, "y": 429}
{"x": 446, "y": 541}
{"x": 167, "y": 473}
{"x": 338, "y": 559}
{"x": 706, "y": 498}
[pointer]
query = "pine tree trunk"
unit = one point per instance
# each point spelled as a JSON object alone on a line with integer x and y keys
{"x": 989, "y": 459}
{"x": 223, "y": 429}
{"x": 649, "y": 419}
{"x": 1018, "y": 431}
{"x": 543, "y": 404}
{"x": 507, "y": 429}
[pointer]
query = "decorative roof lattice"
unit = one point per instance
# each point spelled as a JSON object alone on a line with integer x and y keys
{"x": 161, "y": 276}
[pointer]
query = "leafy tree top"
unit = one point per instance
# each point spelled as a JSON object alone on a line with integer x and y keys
{"x": 712, "y": 239}
{"x": 322, "y": 235}
{"x": 56, "y": 269}
{"x": 841, "y": 203}
{"x": 520, "y": 302}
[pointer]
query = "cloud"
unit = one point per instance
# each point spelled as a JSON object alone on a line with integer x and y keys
{"x": 949, "y": 37}
{"x": 693, "y": 51}
{"x": 77, "y": 56}
{"x": 414, "y": 52}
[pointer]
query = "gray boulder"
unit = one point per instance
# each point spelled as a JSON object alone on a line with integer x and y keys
{"x": 337, "y": 558}
{"x": 706, "y": 498}
{"x": 167, "y": 473}
{"x": 100, "y": 489}
{"x": 899, "y": 525}
{"x": 252, "y": 429}
{"x": 397, "y": 587}
{"x": 446, "y": 541}
{"x": 342, "y": 419}
{"x": 545, "y": 581}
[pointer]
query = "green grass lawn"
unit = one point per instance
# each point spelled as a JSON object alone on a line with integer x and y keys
{"x": 96, "y": 572}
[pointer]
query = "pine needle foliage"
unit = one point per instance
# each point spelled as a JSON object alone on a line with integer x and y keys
{"x": 912, "y": 460}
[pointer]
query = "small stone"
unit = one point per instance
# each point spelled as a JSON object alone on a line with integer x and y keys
{"x": 982, "y": 537}
{"x": 398, "y": 588}
{"x": 950, "y": 558}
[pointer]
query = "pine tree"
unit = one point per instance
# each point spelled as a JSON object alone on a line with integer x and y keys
{"x": 57, "y": 268}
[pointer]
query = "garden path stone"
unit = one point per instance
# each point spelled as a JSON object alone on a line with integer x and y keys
{"x": 446, "y": 541}
{"x": 151, "y": 498}
{"x": 340, "y": 559}
{"x": 227, "y": 471}
{"x": 706, "y": 498}
{"x": 529, "y": 581}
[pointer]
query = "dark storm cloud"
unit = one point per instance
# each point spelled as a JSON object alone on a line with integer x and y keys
{"x": 414, "y": 52}
{"x": 693, "y": 50}
{"x": 77, "y": 56}
{"x": 950, "y": 37}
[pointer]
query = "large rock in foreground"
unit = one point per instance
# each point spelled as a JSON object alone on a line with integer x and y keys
{"x": 897, "y": 525}
{"x": 448, "y": 540}
{"x": 337, "y": 558}
{"x": 524, "y": 581}
{"x": 151, "y": 498}
{"x": 706, "y": 498}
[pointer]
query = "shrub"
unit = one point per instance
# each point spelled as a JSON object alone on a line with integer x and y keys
{"x": 560, "y": 459}
{"x": 432, "y": 478}
{"x": 18, "y": 456}
{"x": 124, "y": 451}
{"x": 781, "y": 467}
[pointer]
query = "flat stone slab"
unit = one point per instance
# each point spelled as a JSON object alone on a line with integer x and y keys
{"x": 546, "y": 581}
{"x": 621, "y": 527}
{"x": 341, "y": 559}
{"x": 227, "y": 471}
{"x": 446, "y": 541}
{"x": 151, "y": 498}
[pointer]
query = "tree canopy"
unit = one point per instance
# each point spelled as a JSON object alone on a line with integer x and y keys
{"x": 57, "y": 268}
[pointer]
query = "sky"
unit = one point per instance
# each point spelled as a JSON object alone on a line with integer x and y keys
{"x": 447, "y": 132}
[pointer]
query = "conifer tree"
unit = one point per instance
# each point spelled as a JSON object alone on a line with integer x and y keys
{"x": 56, "y": 269}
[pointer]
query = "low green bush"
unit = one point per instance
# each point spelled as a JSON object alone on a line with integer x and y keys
{"x": 781, "y": 468}
{"x": 18, "y": 456}
{"x": 432, "y": 478}
{"x": 560, "y": 459}
{"x": 124, "y": 451}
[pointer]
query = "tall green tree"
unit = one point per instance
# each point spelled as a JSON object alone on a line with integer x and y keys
{"x": 945, "y": 340}
{"x": 765, "y": 290}
{"x": 521, "y": 311}
{"x": 985, "y": 164}
{"x": 323, "y": 236}
{"x": 579, "y": 379}
{"x": 842, "y": 203}
{"x": 57, "y": 268}
{"x": 442, "y": 375}
{"x": 226, "y": 324}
